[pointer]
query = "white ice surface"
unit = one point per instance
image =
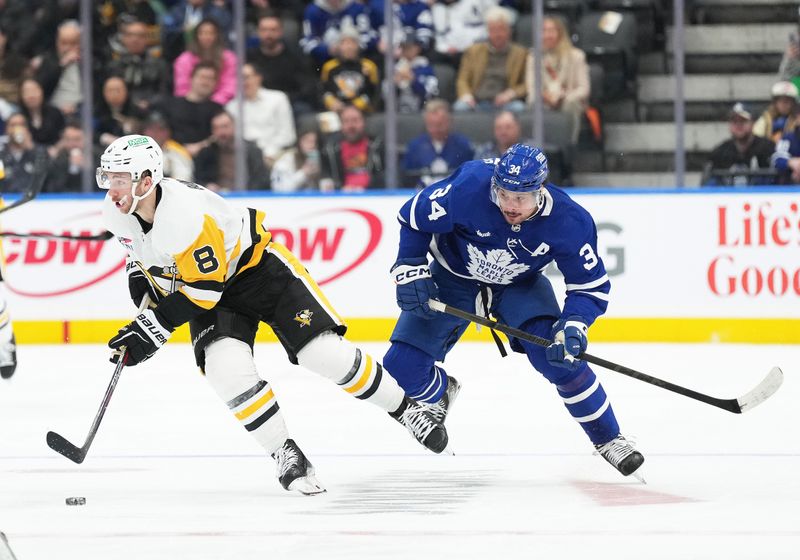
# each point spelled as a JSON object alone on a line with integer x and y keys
{"x": 172, "y": 475}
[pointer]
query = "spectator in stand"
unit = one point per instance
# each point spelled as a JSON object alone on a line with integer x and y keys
{"x": 44, "y": 121}
{"x": 323, "y": 21}
{"x": 491, "y": 75}
{"x": 282, "y": 67}
{"x": 781, "y": 115}
{"x": 458, "y": 24}
{"x": 178, "y": 162}
{"x": 298, "y": 169}
{"x": 69, "y": 156}
{"x": 351, "y": 160}
{"x": 207, "y": 45}
{"x": 12, "y": 67}
{"x": 507, "y": 132}
{"x": 116, "y": 115}
{"x": 432, "y": 156}
{"x": 565, "y": 84}
{"x": 190, "y": 116}
{"x": 744, "y": 151}
{"x": 414, "y": 78}
{"x": 145, "y": 73}
{"x": 267, "y": 116}
{"x": 412, "y": 20}
{"x": 19, "y": 156}
{"x": 289, "y": 10}
{"x": 59, "y": 71}
{"x": 178, "y": 24}
{"x": 30, "y": 25}
{"x": 786, "y": 158}
{"x": 349, "y": 79}
{"x": 215, "y": 166}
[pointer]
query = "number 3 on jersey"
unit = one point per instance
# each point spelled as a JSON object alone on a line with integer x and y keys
{"x": 437, "y": 211}
{"x": 204, "y": 257}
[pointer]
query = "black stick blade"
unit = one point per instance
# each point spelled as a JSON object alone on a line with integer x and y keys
{"x": 60, "y": 445}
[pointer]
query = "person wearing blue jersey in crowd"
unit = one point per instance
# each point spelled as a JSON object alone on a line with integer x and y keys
{"x": 491, "y": 228}
{"x": 412, "y": 21}
{"x": 324, "y": 21}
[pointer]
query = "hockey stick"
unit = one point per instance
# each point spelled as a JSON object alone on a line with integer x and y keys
{"x": 35, "y": 187}
{"x": 59, "y": 443}
{"x": 756, "y": 396}
{"x": 105, "y": 236}
{"x": 5, "y": 549}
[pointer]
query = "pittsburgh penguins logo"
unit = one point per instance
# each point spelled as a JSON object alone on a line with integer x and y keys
{"x": 304, "y": 317}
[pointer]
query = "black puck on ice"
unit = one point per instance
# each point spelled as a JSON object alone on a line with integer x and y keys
{"x": 76, "y": 501}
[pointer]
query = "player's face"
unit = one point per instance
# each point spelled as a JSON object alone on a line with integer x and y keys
{"x": 516, "y": 207}
{"x": 118, "y": 185}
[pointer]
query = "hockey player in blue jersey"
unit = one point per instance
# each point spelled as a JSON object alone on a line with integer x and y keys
{"x": 491, "y": 228}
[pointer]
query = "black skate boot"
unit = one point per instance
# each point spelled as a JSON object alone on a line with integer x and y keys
{"x": 421, "y": 424}
{"x": 295, "y": 472}
{"x": 440, "y": 408}
{"x": 8, "y": 358}
{"x": 622, "y": 456}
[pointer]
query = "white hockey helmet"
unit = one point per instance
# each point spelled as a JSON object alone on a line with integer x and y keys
{"x": 132, "y": 154}
{"x": 785, "y": 89}
{"x": 135, "y": 154}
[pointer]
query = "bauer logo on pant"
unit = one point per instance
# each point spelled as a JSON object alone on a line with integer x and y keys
{"x": 304, "y": 317}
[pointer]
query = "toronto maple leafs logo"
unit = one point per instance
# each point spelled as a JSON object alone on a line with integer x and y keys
{"x": 495, "y": 267}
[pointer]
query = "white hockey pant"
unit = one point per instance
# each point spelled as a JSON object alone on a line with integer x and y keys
{"x": 353, "y": 370}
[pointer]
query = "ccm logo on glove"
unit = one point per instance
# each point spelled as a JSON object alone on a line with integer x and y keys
{"x": 404, "y": 273}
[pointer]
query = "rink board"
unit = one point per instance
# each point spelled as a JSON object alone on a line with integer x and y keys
{"x": 685, "y": 267}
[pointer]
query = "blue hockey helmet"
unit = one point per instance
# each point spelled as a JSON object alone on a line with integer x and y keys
{"x": 521, "y": 169}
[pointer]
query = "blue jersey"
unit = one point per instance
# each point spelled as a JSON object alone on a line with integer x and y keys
{"x": 463, "y": 229}
{"x": 322, "y": 27}
{"x": 787, "y": 148}
{"x": 411, "y": 19}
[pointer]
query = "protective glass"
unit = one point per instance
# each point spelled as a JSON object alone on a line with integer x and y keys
{"x": 520, "y": 201}
{"x": 113, "y": 179}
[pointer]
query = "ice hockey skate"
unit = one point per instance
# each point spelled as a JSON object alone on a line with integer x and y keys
{"x": 422, "y": 425}
{"x": 440, "y": 408}
{"x": 621, "y": 454}
{"x": 295, "y": 471}
{"x": 8, "y": 357}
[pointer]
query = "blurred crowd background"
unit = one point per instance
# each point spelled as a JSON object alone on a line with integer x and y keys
{"x": 306, "y": 102}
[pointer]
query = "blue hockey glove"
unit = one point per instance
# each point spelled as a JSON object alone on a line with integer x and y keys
{"x": 569, "y": 340}
{"x": 415, "y": 286}
{"x": 141, "y": 338}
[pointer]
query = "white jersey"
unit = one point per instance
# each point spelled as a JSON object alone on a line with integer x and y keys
{"x": 196, "y": 234}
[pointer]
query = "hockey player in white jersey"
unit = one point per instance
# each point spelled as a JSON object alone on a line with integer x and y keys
{"x": 205, "y": 261}
{"x": 491, "y": 228}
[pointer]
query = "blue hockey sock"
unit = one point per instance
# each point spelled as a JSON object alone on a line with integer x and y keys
{"x": 416, "y": 372}
{"x": 588, "y": 404}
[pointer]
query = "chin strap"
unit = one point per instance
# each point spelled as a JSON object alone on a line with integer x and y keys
{"x": 136, "y": 199}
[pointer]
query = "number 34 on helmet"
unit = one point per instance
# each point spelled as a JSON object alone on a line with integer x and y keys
{"x": 521, "y": 169}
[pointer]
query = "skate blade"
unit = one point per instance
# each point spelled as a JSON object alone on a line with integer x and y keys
{"x": 638, "y": 476}
{"x": 307, "y": 485}
{"x": 448, "y": 451}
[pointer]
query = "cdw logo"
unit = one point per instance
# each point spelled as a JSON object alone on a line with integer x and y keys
{"x": 40, "y": 251}
{"x": 334, "y": 241}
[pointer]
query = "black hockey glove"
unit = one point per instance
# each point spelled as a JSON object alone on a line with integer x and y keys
{"x": 415, "y": 286}
{"x": 139, "y": 285}
{"x": 140, "y": 338}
